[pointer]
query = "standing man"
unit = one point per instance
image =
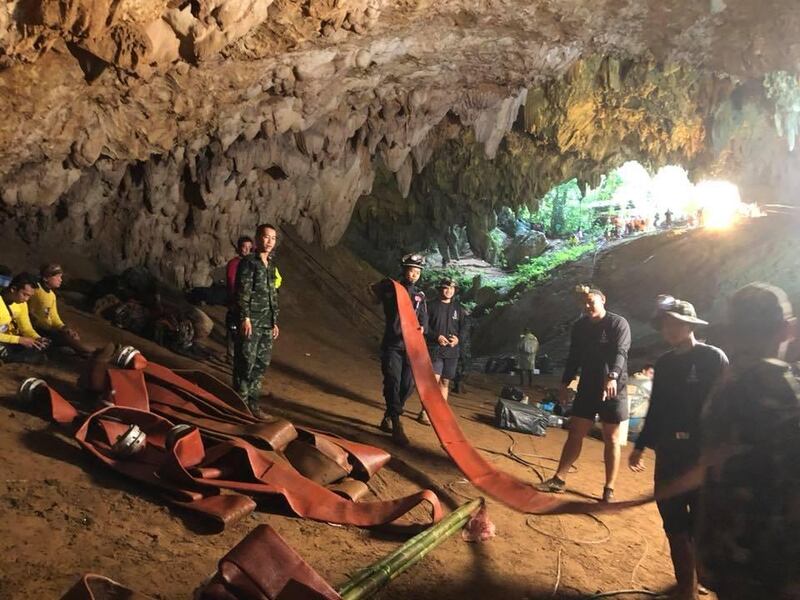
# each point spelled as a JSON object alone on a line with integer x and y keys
{"x": 19, "y": 341}
{"x": 398, "y": 380}
{"x": 446, "y": 328}
{"x": 257, "y": 303}
{"x": 528, "y": 347}
{"x": 244, "y": 246}
{"x": 43, "y": 308}
{"x": 748, "y": 538}
{"x": 684, "y": 380}
{"x": 599, "y": 349}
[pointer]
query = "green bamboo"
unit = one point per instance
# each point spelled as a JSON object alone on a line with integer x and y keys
{"x": 372, "y": 578}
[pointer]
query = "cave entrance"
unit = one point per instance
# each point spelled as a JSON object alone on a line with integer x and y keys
{"x": 571, "y": 221}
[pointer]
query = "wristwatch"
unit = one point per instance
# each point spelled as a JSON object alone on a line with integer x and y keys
{"x": 613, "y": 375}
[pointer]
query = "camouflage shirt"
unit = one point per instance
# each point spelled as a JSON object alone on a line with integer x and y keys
{"x": 749, "y": 527}
{"x": 257, "y": 292}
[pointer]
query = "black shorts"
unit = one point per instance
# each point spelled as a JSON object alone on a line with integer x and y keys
{"x": 673, "y": 459}
{"x": 610, "y": 411}
{"x": 446, "y": 367}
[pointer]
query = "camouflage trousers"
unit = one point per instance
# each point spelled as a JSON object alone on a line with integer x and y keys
{"x": 250, "y": 360}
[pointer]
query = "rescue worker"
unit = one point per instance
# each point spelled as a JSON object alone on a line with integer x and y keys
{"x": 244, "y": 246}
{"x": 599, "y": 349}
{"x": 748, "y": 539}
{"x": 257, "y": 304}
{"x": 398, "y": 381}
{"x": 527, "y": 348}
{"x": 684, "y": 380}
{"x": 43, "y": 307}
{"x": 19, "y": 341}
{"x": 446, "y": 328}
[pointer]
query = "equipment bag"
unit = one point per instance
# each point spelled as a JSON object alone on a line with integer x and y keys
{"x": 511, "y": 392}
{"x": 524, "y": 418}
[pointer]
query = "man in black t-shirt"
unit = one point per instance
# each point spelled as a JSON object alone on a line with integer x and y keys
{"x": 398, "y": 380}
{"x": 446, "y": 329}
{"x": 599, "y": 349}
{"x": 684, "y": 379}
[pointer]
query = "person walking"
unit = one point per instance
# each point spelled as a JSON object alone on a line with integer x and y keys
{"x": 684, "y": 379}
{"x": 398, "y": 380}
{"x": 446, "y": 328}
{"x": 598, "y": 348}
{"x": 257, "y": 304}
{"x": 527, "y": 348}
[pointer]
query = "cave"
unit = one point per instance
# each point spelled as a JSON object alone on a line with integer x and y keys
{"x": 147, "y": 137}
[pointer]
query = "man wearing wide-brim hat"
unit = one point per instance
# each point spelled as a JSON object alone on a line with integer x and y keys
{"x": 684, "y": 379}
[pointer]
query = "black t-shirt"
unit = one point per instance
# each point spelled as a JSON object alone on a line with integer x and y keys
{"x": 445, "y": 318}
{"x": 598, "y": 348}
{"x": 681, "y": 387}
{"x": 392, "y": 334}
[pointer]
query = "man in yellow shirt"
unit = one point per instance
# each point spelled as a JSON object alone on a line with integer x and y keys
{"x": 44, "y": 311}
{"x": 19, "y": 341}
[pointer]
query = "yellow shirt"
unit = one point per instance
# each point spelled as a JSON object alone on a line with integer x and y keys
{"x": 44, "y": 310}
{"x": 15, "y": 322}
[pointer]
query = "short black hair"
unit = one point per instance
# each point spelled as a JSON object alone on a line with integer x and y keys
{"x": 260, "y": 229}
{"x": 648, "y": 366}
{"x": 20, "y": 280}
{"x": 242, "y": 239}
{"x": 596, "y": 292}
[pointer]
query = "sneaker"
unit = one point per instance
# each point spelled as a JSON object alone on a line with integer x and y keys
{"x": 554, "y": 485}
{"x": 423, "y": 418}
{"x": 608, "y": 494}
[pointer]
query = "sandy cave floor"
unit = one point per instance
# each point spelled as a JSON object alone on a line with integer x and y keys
{"x": 65, "y": 515}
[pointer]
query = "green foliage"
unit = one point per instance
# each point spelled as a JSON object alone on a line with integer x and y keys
{"x": 430, "y": 278}
{"x": 537, "y": 269}
{"x": 564, "y": 210}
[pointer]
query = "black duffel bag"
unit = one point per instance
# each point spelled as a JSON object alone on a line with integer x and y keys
{"x": 512, "y": 392}
{"x": 524, "y": 418}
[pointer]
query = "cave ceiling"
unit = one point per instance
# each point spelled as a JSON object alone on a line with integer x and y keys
{"x": 160, "y": 129}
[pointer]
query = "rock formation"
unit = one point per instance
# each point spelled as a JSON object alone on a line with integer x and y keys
{"x": 154, "y": 131}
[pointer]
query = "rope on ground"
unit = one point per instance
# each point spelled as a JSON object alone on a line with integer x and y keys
{"x": 624, "y": 592}
{"x": 558, "y": 572}
{"x": 602, "y": 540}
{"x": 641, "y": 560}
{"x": 451, "y": 486}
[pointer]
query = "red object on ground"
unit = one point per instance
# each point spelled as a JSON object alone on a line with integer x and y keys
{"x": 507, "y": 489}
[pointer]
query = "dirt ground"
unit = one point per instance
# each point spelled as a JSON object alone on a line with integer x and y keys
{"x": 65, "y": 515}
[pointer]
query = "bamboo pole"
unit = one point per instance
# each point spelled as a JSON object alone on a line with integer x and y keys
{"x": 372, "y": 578}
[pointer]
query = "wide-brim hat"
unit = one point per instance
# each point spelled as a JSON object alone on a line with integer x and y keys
{"x": 677, "y": 309}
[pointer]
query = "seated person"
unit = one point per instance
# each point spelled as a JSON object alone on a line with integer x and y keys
{"x": 19, "y": 341}
{"x": 44, "y": 312}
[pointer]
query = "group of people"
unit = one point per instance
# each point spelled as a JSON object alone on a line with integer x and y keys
{"x": 444, "y": 324}
{"x": 30, "y": 325}
{"x": 726, "y": 441}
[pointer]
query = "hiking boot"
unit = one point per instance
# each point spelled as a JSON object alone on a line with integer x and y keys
{"x": 398, "y": 435}
{"x": 554, "y": 485}
{"x": 386, "y": 424}
{"x": 608, "y": 494}
{"x": 423, "y": 418}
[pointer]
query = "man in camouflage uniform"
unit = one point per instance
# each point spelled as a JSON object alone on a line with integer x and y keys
{"x": 749, "y": 535}
{"x": 257, "y": 304}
